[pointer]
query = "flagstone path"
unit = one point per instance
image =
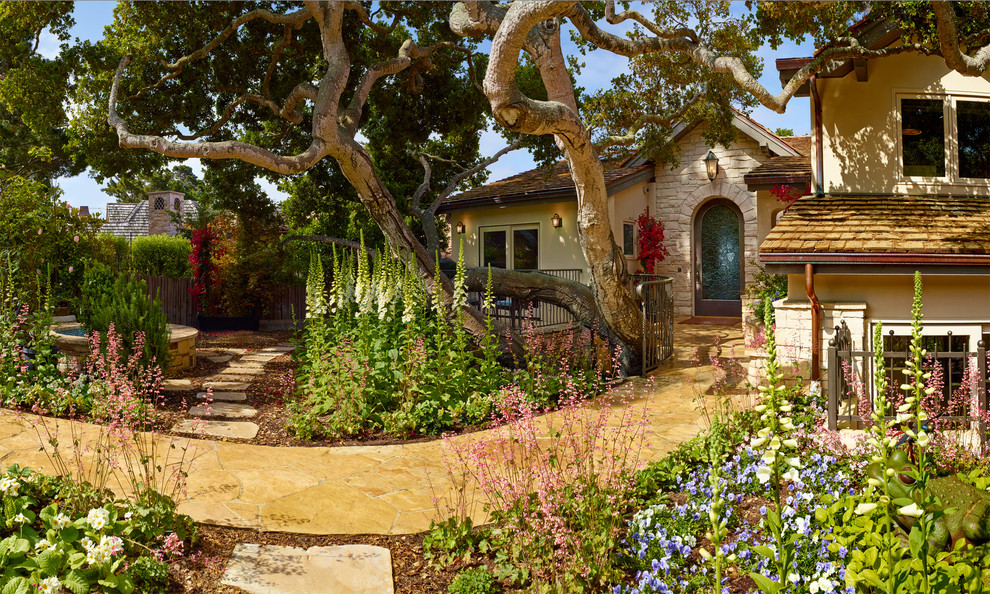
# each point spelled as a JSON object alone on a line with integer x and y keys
{"x": 375, "y": 489}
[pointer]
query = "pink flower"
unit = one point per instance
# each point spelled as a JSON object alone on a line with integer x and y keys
{"x": 39, "y": 231}
{"x": 70, "y": 270}
{"x": 75, "y": 238}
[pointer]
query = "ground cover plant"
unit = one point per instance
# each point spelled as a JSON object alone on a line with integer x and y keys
{"x": 765, "y": 500}
{"x": 381, "y": 353}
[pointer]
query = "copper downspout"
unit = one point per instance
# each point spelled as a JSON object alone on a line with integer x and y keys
{"x": 816, "y": 323}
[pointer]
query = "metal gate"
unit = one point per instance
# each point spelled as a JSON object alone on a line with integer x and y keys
{"x": 656, "y": 298}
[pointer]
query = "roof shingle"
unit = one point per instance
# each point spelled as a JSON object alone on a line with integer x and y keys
{"x": 882, "y": 225}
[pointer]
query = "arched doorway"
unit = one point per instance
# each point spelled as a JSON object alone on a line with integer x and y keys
{"x": 718, "y": 262}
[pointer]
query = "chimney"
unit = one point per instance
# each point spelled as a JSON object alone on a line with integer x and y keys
{"x": 84, "y": 211}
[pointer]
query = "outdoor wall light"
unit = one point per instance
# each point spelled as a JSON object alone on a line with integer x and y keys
{"x": 556, "y": 221}
{"x": 711, "y": 165}
{"x": 460, "y": 228}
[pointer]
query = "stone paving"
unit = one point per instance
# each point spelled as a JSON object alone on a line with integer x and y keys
{"x": 387, "y": 489}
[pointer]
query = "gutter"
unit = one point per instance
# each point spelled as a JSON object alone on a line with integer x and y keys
{"x": 816, "y": 323}
{"x": 851, "y": 258}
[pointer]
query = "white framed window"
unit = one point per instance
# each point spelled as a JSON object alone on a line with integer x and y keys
{"x": 512, "y": 247}
{"x": 628, "y": 238}
{"x": 943, "y": 138}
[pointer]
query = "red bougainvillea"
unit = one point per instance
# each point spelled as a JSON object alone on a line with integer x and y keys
{"x": 651, "y": 248}
{"x": 787, "y": 194}
{"x": 208, "y": 259}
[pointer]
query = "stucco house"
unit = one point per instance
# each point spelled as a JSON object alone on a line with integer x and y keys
{"x": 714, "y": 225}
{"x": 161, "y": 214}
{"x": 901, "y": 182}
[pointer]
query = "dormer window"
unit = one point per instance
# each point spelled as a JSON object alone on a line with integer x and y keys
{"x": 927, "y": 122}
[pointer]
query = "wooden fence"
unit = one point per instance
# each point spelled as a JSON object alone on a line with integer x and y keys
{"x": 180, "y": 307}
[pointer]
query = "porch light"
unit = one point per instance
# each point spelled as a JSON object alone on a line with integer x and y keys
{"x": 556, "y": 221}
{"x": 711, "y": 165}
{"x": 460, "y": 228}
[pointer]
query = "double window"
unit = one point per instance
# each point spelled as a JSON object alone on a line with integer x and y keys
{"x": 945, "y": 138}
{"x": 515, "y": 247}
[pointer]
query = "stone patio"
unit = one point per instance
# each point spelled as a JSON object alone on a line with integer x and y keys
{"x": 387, "y": 489}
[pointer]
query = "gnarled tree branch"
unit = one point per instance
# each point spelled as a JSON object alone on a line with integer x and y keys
{"x": 948, "y": 39}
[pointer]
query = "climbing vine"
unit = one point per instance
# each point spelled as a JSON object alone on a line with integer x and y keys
{"x": 651, "y": 248}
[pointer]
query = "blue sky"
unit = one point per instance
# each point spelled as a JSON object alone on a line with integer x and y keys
{"x": 91, "y": 17}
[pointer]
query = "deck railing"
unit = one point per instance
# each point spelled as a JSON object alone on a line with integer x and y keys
{"x": 520, "y": 313}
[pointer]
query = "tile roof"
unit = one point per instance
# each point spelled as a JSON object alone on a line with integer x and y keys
{"x": 534, "y": 184}
{"x": 882, "y": 225}
{"x": 801, "y": 144}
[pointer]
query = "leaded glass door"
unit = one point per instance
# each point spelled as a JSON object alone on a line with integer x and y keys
{"x": 718, "y": 235}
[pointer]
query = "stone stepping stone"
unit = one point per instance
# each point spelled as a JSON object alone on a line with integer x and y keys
{"x": 226, "y": 386}
{"x": 260, "y": 358}
{"x": 244, "y": 371}
{"x": 224, "y": 396}
{"x": 235, "y": 377}
{"x": 233, "y": 351}
{"x": 278, "y": 349}
{"x": 229, "y": 410}
{"x": 63, "y": 319}
{"x": 246, "y": 365}
{"x": 350, "y": 569}
{"x": 220, "y": 358}
{"x": 177, "y": 385}
{"x": 229, "y": 429}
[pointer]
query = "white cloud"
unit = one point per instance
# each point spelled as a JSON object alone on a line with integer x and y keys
{"x": 48, "y": 45}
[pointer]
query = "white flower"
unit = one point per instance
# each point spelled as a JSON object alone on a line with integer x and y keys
{"x": 865, "y": 508}
{"x": 45, "y": 545}
{"x": 758, "y": 442}
{"x": 9, "y": 486}
{"x": 791, "y": 443}
{"x": 86, "y": 542}
{"x": 20, "y": 519}
{"x": 764, "y": 473}
{"x": 792, "y": 475}
{"x": 795, "y": 461}
{"x": 128, "y": 515}
{"x": 793, "y": 577}
{"x": 910, "y": 510}
{"x": 923, "y": 439}
{"x": 98, "y": 518}
{"x": 768, "y": 457}
{"x": 49, "y": 586}
{"x": 61, "y": 520}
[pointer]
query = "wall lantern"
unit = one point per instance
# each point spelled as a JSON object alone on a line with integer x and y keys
{"x": 556, "y": 221}
{"x": 460, "y": 228}
{"x": 711, "y": 165}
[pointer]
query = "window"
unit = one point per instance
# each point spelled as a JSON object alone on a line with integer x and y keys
{"x": 923, "y": 137}
{"x": 926, "y": 123}
{"x": 974, "y": 138}
{"x": 159, "y": 203}
{"x": 177, "y": 205}
{"x": 518, "y": 245}
{"x": 628, "y": 239}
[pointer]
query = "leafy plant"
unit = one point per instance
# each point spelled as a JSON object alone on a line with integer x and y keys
{"x": 475, "y": 580}
{"x": 161, "y": 255}
{"x": 764, "y": 290}
{"x": 651, "y": 248}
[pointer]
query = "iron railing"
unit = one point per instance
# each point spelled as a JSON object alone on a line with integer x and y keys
{"x": 519, "y": 313}
{"x": 850, "y": 378}
{"x": 656, "y": 298}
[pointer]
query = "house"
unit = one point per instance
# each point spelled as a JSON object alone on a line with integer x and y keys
{"x": 161, "y": 214}
{"x": 901, "y": 182}
{"x": 714, "y": 225}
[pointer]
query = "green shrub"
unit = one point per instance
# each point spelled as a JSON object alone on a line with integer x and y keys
{"x": 476, "y": 580}
{"x": 161, "y": 255}
{"x": 124, "y": 303}
{"x": 112, "y": 251}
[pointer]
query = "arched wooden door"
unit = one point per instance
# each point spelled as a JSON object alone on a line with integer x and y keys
{"x": 718, "y": 262}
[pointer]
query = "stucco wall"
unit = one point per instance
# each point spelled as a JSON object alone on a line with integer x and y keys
{"x": 681, "y": 190}
{"x": 559, "y": 248}
{"x": 861, "y": 124}
{"x": 625, "y": 207}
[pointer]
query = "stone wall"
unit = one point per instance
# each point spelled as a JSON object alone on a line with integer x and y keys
{"x": 161, "y": 220}
{"x": 794, "y": 329}
{"x": 681, "y": 190}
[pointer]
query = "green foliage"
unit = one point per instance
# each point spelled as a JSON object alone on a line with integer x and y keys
{"x": 126, "y": 305}
{"x": 764, "y": 290}
{"x": 475, "y": 580}
{"x": 161, "y": 255}
{"x": 55, "y": 534}
{"x": 112, "y": 251}
{"x": 179, "y": 178}
{"x": 455, "y": 539}
{"x": 784, "y": 132}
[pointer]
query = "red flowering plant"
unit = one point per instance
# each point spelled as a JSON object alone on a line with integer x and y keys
{"x": 208, "y": 258}
{"x": 787, "y": 194}
{"x": 651, "y": 248}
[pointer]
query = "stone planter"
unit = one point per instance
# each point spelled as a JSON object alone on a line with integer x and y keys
{"x": 72, "y": 341}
